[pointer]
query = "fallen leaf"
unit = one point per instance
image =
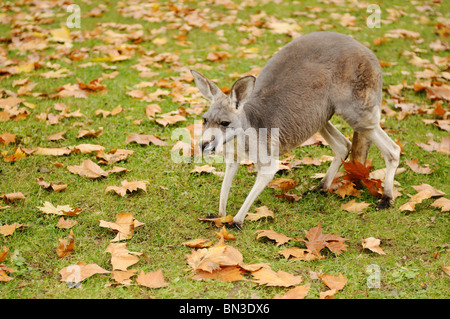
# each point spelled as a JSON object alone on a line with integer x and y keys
{"x": 121, "y": 257}
{"x": 268, "y": 277}
{"x": 354, "y": 207}
{"x": 198, "y": 243}
{"x": 151, "y": 279}
{"x": 8, "y": 230}
{"x": 225, "y": 234}
{"x": 48, "y": 208}
{"x": 75, "y": 274}
{"x": 66, "y": 247}
{"x": 442, "y": 203}
{"x": 51, "y": 151}
{"x": 413, "y": 164}
{"x": 55, "y": 187}
{"x": 66, "y": 223}
{"x": 213, "y": 258}
{"x": 280, "y": 239}
{"x": 88, "y": 169}
{"x": 124, "y": 226}
{"x": 334, "y": 282}
{"x": 298, "y": 292}
{"x": 373, "y": 244}
{"x": 329, "y": 294}
{"x": 127, "y": 187}
{"x": 261, "y": 212}
{"x": 218, "y": 221}
{"x": 90, "y": 133}
{"x": 283, "y": 184}
{"x": 416, "y": 199}
{"x": 7, "y": 138}
{"x": 434, "y": 192}
{"x": 316, "y": 241}
{"x": 145, "y": 139}
{"x": 299, "y": 254}
{"x": 13, "y": 196}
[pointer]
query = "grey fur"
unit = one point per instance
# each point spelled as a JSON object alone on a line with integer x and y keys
{"x": 298, "y": 91}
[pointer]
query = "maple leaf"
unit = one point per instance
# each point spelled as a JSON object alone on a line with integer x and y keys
{"x": 416, "y": 199}
{"x": 124, "y": 226}
{"x": 218, "y": 221}
{"x": 357, "y": 172}
{"x": 48, "y": 208}
{"x": 52, "y": 151}
{"x": 298, "y": 292}
{"x": 283, "y": 184}
{"x": 352, "y": 206}
{"x": 145, "y": 139}
{"x": 261, "y": 212}
{"x": 225, "y": 274}
{"x": 316, "y": 241}
{"x": 66, "y": 247}
{"x": 434, "y": 192}
{"x": 90, "y": 133}
{"x": 225, "y": 234}
{"x": 198, "y": 243}
{"x": 8, "y": 230}
{"x": 13, "y": 196}
{"x": 127, "y": 187}
{"x": 373, "y": 244}
{"x": 66, "y": 223}
{"x": 121, "y": 257}
{"x": 334, "y": 282}
{"x": 55, "y": 187}
{"x": 279, "y": 238}
{"x": 442, "y": 203}
{"x": 214, "y": 258}
{"x": 151, "y": 279}
{"x": 268, "y": 277}
{"x": 18, "y": 155}
{"x": 74, "y": 274}
{"x": 7, "y": 138}
{"x": 299, "y": 254}
{"x": 413, "y": 164}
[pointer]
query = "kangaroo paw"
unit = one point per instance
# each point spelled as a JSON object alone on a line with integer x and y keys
{"x": 385, "y": 202}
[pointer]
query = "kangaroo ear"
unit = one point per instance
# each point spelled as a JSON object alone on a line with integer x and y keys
{"x": 241, "y": 91}
{"x": 207, "y": 87}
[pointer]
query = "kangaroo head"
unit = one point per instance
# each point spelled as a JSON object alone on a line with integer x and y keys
{"x": 225, "y": 117}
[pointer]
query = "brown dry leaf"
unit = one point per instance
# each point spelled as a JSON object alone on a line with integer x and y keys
{"x": 225, "y": 274}
{"x": 416, "y": 199}
{"x": 168, "y": 118}
{"x": 434, "y": 192}
{"x": 127, "y": 187}
{"x": 151, "y": 279}
{"x": 442, "y": 203}
{"x": 66, "y": 247}
{"x": 329, "y": 294}
{"x": 217, "y": 56}
{"x": 7, "y": 138}
{"x": 66, "y": 223}
{"x": 283, "y": 184}
{"x": 299, "y": 254}
{"x": 145, "y": 139}
{"x": 358, "y": 173}
{"x": 373, "y": 244}
{"x": 48, "y": 208}
{"x": 18, "y": 155}
{"x": 88, "y": 148}
{"x": 446, "y": 269}
{"x": 218, "y": 221}
{"x": 413, "y": 164}
{"x": 88, "y": 169}
{"x": 354, "y": 207}
{"x": 334, "y": 282}
{"x": 345, "y": 188}
{"x": 113, "y": 156}
{"x": 206, "y": 169}
{"x": 261, "y": 212}
{"x": 121, "y": 257}
{"x": 279, "y": 238}
{"x": 198, "y": 243}
{"x": 52, "y": 151}
{"x": 316, "y": 241}
{"x": 289, "y": 197}
{"x": 439, "y": 92}
{"x": 124, "y": 226}
{"x": 152, "y": 109}
{"x": 268, "y": 277}
{"x": 89, "y": 133}
{"x": 123, "y": 277}
{"x": 93, "y": 86}
{"x": 56, "y": 137}
{"x": 214, "y": 258}
{"x": 74, "y": 274}
{"x": 8, "y": 230}
{"x": 55, "y": 187}
{"x": 3, "y": 253}
{"x": 225, "y": 234}
{"x": 13, "y": 196}
{"x": 298, "y": 292}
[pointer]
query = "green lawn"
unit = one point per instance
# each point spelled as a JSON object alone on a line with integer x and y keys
{"x": 416, "y": 243}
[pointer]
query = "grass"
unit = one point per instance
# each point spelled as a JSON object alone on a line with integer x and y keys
{"x": 414, "y": 242}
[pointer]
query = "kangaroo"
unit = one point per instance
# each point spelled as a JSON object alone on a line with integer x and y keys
{"x": 297, "y": 92}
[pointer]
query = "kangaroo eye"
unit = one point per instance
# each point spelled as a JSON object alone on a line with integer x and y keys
{"x": 225, "y": 123}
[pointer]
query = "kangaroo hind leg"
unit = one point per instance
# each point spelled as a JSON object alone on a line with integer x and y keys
{"x": 391, "y": 154}
{"x": 340, "y": 146}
